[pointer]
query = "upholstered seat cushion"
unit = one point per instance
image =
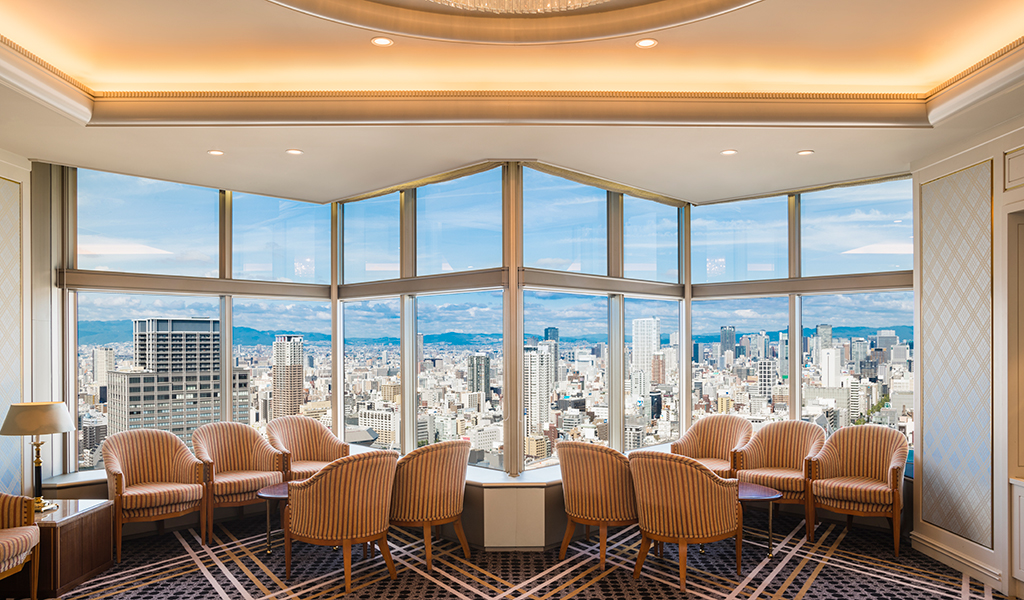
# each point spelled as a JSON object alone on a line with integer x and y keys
{"x": 15, "y": 545}
{"x": 779, "y": 478}
{"x": 304, "y": 469}
{"x": 156, "y": 494}
{"x": 880, "y": 509}
{"x": 716, "y": 465}
{"x": 229, "y": 483}
{"x": 156, "y": 511}
{"x": 853, "y": 489}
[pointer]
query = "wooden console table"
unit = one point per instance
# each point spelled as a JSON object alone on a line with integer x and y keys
{"x": 75, "y": 544}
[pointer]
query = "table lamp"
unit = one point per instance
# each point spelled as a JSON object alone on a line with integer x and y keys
{"x": 38, "y": 418}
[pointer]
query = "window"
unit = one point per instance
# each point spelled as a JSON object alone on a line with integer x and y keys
{"x": 460, "y": 367}
{"x": 740, "y": 241}
{"x": 741, "y": 358}
{"x": 565, "y": 225}
{"x": 564, "y": 365}
{"x": 862, "y": 229}
{"x": 121, "y": 337}
{"x": 282, "y": 353}
{"x": 858, "y": 365}
{"x": 653, "y": 399}
{"x": 651, "y": 240}
{"x": 137, "y": 225}
{"x": 280, "y": 240}
{"x": 458, "y": 224}
{"x": 373, "y": 384}
{"x": 371, "y": 231}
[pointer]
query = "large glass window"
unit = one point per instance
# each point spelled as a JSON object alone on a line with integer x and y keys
{"x": 459, "y": 374}
{"x": 283, "y": 350}
{"x": 458, "y": 224}
{"x": 740, "y": 241}
{"x": 280, "y": 240}
{"x": 565, "y": 225}
{"x": 373, "y": 383}
{"x": 564, "y": 364}
{"x": 650, "y": 240}
{"x": 145, "y": 362}
{"x": 371, "y": 235}
{"x": 858, "y": 361}
{"x": 653, "y": 399}
{"x": 741, "y": 358}
{"x": 862, "y": 229}
{"x": 137, "y": 225}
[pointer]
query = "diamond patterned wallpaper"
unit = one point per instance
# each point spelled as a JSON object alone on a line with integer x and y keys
{"x": 10, "y": 328}
{"x": 955, "y": 364}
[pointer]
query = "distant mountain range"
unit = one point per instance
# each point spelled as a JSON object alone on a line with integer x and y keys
{"x": 113, "y": 332}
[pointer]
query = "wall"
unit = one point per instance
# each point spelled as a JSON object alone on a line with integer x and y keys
{"x": 14, "y": 182}
{"x": 963, "y": 404}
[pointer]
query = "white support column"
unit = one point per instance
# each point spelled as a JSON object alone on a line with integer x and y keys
{"x": 685, "y": 401}
{"x": 796, "y": 328}
{"x": 338, "y": 327}
{"x": 512, "y": 339}
{"x": 227, "y": 371}
{"x": 616, "y": 376}
{"x": 407, "y": 402}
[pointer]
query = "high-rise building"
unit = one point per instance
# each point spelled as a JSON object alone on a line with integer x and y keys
{"x": 287, "y": 377}
{"x": 480, "y": 374}
{"x": 646, "y": 335}
{"x": 859, "y": 349}
{"x": 537, "y": 387}
{"x": 766, "y": 375}
{"x": 551, "y": 347}
{"x": 728, "y": 339}
{"x": 824, "y": 334}
{"x": 784, "y": 354}
{"x": 886, "y": 338}
{"x": 419, "y": 352}
{"x": 830, "y": 367}
{"x": 551, "y": 333}
{"x": 658, "y": 368}
{"x": 102, "y": 361}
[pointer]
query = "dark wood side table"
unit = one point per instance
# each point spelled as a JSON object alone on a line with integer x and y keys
{"x": 278, "y": 491}
{"x": 76, "y": 543}
{"x": 752, "y": 492}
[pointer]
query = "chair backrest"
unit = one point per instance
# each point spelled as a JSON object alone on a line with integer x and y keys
{"x": 677, "y": 497}
{"x": 865, "y": 451}
{"x": 430, "y": 482}
{"x": 349, "y": 498}
{"x": 144, "y": 455}
{"x": 301, "y": 436}
{"x": 232, "y": 446}
{"x": 16, "y": 511}
{"x": 787, "y": 443}
{"x": 596, "y": 483}
{"x": 716, "y": 436}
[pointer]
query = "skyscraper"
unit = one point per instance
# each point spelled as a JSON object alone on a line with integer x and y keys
{"x": 551, "y": 333}
{"x": 537, "y": 388}
{"x": 766, "y": 374}
{"x": 886, "y": 338}
{"x": 646, "y": 341}
{"x": 287, "y": 376}
{"x": 784, "y": 354}
{"x": 102, "y": 361}
{"x": 830, "y": 370}
{"x": 480, "y": 374}
{"x": 728, "y": 340}
{"x": 824, "y": 336}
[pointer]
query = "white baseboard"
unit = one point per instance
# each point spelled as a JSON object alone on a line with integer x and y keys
{"x": 957, "y": 560}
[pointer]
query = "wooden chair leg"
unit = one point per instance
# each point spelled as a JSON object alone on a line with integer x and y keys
{"x": 286, "y": 526}
{"x": 809, "y": 517}
{"x": 427, "y": 546}
{"x": 739, "y": 550}
{"x": 682, "y": 566}
{"x": 570, "y": 529}
{"x": 347, "y": 545}
{"x": 462, "y": 537}
{"x": 33, "y": 585}
{"x": 202, "y": 522}
{"x": 118, "y": 525}
{"x": 385, "y": 551}
{"x": 896, "y": 529}
{"x": 604, "y": 543}
{"x": 645, "y": 545}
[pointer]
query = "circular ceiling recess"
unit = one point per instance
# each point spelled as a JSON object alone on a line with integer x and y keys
{"x": 515, "y": 21}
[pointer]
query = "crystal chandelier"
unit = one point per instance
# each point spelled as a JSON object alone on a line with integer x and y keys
{"x": 520, "y": 7}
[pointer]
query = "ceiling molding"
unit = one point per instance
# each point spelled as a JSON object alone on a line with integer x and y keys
{"x": 26, "y": 73}
{"x": 997, "y": 73}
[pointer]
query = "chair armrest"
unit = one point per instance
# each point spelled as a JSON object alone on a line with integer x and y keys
{"x": 16, "y": 511}
{"x": 685, "y": 447}
{"x": 336, "y": 447}
{"x": 750, "y": 456}
{"x": 115, "y": 475}
{"x": 267, "y": 458}
{"x": 896, "y": 468}
{"x": 188, "y": 468}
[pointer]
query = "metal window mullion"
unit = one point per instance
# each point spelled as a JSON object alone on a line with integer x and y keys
{"x": 796, "y": 346}
{"x": 616, "y": 376}
{"x": 795, "y": 251}
{"x": 407, "y": 399}
{"x": 225, "y": 234}
{"x": 69, "y": 310}
{"x": 685, "y": 400}
{"x": 227, "y": 372}
{"x": 512, "y": 318}
{"x": 407, "y": 224}
{"x": 337, "y": 327}
{"x": 616, "y": 235}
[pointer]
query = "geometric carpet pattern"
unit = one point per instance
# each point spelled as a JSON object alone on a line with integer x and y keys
{"x": 840, "y": 564}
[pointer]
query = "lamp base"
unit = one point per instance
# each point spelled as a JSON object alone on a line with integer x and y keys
{"x": 42, "y": 506}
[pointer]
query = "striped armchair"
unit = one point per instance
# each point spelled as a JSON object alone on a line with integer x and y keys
{"x": 711, "y": 441}
{"x": 430, "y": 484}
{"x": 681, "y": 501}
{"x": 238, "y": 463}
{"x": 307, "y": 445}
{"x": 777, "y": 457}
{"x": 152, "y": 476}
{"x": 347, "y": 502}
{"x": 860, "y": 472}
{"x": 598, "y": 490}
{"x": 19, "y": 539}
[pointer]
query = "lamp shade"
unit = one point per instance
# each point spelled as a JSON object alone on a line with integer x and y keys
{"x": 37, "y": 418}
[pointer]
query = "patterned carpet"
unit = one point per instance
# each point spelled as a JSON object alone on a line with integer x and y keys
{"x": 840, "y": 564}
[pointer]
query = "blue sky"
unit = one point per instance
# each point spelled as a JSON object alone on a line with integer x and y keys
{"x": 371, "y": 234}
{"x": 280, "y": 240}
{"x": 740, "y": 241}
{"x": 650, "y": 240}
{"x": 565, "y": 224}
{"x": 455, "y": 216}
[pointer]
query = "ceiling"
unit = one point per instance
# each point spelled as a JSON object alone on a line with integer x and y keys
{"x": 147, "y": 88}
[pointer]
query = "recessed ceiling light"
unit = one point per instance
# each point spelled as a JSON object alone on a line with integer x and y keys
{"x": 294, "y": 151}
{"x": 729, "y": 152}
{"x": 215, "y": 152}
{"x": 805, "y": 152}
{"x": 382, "y": 41}
{"x": 646, "y": 43}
